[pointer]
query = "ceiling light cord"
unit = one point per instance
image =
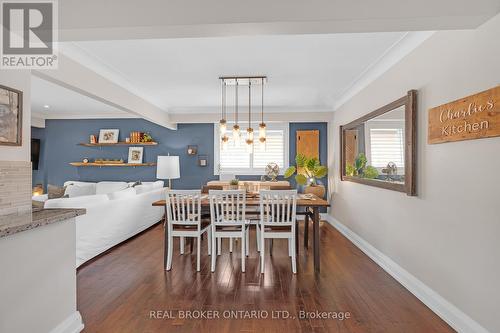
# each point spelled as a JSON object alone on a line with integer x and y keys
{"x": 249, "y": 104}
{"x": 236, "y": 103}
{"x": 262, "y": 103}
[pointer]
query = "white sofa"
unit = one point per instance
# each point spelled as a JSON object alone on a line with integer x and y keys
{"x": 116, "y": 211}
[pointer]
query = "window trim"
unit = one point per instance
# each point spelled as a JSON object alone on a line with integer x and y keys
{"x": 285, "y": 126}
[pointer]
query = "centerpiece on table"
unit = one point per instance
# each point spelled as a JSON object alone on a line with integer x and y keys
{"x": 308, "y": 171}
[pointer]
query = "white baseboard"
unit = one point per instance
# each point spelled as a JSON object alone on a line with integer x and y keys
{"x": 457, "y": 319}
{"x": 72, "y": 324}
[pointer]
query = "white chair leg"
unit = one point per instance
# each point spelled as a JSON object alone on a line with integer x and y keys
{"x": 243, "y": 248}
{"x": 219, "y": 245}
{"x": 214, "y": 252}
{"x": 170, "y": 250}
{"x": 198, "y": 253}
{"x": 247, "y": 240}
{"x": 182, "y": 245}
{"x": 257, "y": 232}
{"x": 262, "y": 250}
{"x": 230, "y": 244}
{"x": 209, "y": 242}
{"x": 294, "y": 257}
{"x": 289, "y": 247}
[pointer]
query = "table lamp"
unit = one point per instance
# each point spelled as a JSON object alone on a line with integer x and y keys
{"x": 168, "y": 168}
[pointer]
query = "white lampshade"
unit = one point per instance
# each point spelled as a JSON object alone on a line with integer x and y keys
{"x": 168, "y": 167}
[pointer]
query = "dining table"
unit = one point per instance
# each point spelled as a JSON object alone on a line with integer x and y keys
{"x": 309, "y": 202}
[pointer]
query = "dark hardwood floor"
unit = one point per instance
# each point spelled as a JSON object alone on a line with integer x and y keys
{"x": 118, "y": 291}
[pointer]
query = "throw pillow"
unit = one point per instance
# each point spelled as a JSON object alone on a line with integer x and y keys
{"x": 55, "y": 192}
{"x": 75, "y": 190}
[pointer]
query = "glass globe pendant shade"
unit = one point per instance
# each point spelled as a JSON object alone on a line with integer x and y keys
{"x": 222, "y": 127}
{"x": 225, "y": 141}
{"x": 236, "y": 135}
{"x": 262, "y": 130}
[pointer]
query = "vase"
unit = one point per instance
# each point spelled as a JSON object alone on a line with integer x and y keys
{"x": 317, "y": 190}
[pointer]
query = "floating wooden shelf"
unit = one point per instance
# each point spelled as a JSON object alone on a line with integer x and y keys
{"x": 119, "y": 144}
{"x": 81, "y": 164}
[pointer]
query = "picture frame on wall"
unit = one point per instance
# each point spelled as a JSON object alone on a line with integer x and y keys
{"x": 11, "y": 116}
{"x": 108, "y": 135}
{"x": 135, "y": 155}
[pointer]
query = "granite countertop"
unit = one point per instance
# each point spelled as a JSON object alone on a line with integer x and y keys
{"x": 14, "y": 223}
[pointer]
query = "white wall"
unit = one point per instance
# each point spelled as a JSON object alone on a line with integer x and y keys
{"x": 20, "y": 80}
{"x": 448, "y": 236}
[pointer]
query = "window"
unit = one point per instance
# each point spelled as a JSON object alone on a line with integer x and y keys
{"x": 385, "y": 143}
{"x": 237, "y": 160}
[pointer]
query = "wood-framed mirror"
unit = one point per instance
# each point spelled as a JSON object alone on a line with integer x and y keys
{"x": 380, "y": 148}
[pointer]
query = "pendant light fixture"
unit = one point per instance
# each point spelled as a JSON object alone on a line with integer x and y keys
{"x": 222, "y": 122}
{"x": 236, "y": 133}
{"x": 262, "y": 125}
{"x": 236, "y": 127}
{"x": 249, "y": 140}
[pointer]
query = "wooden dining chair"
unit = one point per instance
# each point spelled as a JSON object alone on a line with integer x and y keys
{"x": 227, "y": 211}
{"x": 184, "y": 220}
{"x": 278, "y": 220}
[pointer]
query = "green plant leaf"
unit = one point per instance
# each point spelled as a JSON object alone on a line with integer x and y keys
{"x": 301, "y": 179}
{"x": 320, "y": 171}
{"x": 370, "y": 172}
{"x": 290, "y": 171}
{"x": 350, "y": 170}
{"x": 312, "y": 163}
{"x": 360, "y": 162}
{"x": 300, "y": 160}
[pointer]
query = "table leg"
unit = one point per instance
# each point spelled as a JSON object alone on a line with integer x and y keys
{"x": 316, "y": 219}
{"x": 306, "y": 229}
{"x": 165, "y": 240}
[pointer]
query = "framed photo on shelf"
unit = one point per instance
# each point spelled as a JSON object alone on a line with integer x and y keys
{"x": 135, "y": 155}
{"x": 11, "y": 120}
{"x": 108, "y": 135}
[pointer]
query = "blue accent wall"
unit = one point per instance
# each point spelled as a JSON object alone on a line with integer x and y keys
{"x": 62, "y": 138}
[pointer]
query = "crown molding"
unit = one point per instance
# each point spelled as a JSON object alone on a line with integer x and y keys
{"x": 400, "y": 49}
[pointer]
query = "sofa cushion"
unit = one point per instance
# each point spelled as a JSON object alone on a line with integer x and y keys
{"x": 77, "y": 202}
{"x": 108, "y": 187}
{"x": 76, "y": 182}
{"x": 78, "y": 190}
{"x": 156, "y": 184}
{"x": 144, "y": 188}
{"x": 126, "y": 193}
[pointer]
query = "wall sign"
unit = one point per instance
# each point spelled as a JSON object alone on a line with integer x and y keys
{"x": 473, "y": 117}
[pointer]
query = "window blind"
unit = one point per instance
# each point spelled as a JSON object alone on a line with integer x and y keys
{"x": 387, "y": 145}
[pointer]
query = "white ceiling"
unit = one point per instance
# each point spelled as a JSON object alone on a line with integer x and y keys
{"x": 317, "y": 54}
{"x": 146, "y": 19}
{"x": 181, "y": 75}
{"x": 65, "y": 103}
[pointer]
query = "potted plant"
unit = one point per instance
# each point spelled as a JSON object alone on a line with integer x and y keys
{"x": 233, "y": 184}
{"x": 308, "y": 171}
{"x": 360, "y": 168}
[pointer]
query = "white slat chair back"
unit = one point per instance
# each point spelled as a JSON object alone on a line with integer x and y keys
{"x": 184, "y": 207}
{"x": 227, "y": 208}
{"x": 278, "y": 207}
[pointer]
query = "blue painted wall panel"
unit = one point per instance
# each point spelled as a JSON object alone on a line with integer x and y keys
{"x": 62, "y": 138}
